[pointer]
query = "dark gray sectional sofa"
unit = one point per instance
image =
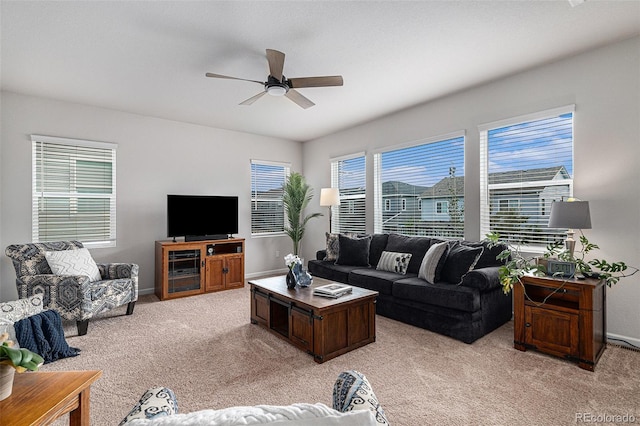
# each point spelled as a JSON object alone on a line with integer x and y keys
{"x": 465, "y": 301}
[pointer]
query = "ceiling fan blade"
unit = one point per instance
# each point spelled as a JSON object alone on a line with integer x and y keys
{"x": 209, "y": 74}
{"x": 334, "y": 80}
{"x": 276, "y": 63}
{"x": 297, "y": 97}
{"x": 253, "y": 99}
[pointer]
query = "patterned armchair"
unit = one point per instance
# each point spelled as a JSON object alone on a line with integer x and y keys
{"x": 75, "y": 297}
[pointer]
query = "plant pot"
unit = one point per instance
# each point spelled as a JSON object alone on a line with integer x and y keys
{"x": 6, "y": 381}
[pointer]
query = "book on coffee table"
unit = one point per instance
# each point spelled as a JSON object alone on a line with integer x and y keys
{"x": 333, "y": 290}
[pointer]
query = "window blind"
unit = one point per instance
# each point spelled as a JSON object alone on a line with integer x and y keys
{"x": 413, "y": 184}
{"x": 348, "y": 174}
{"x": 526, "y": 164}
{"x": 267, "y": 209}
{"x": 74, "y": 191}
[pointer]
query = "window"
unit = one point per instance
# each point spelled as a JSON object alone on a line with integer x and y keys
{"x": 526, "y": 164}
{"x": 267, "y": 209}
{"x": 416, "y": 178}
{"x": 442, "y": 207}
{"x": 348, "y": 175}
{"x": 74, "y": 191}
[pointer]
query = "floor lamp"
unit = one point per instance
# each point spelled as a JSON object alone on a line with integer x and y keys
{"x": 329, "y": 197}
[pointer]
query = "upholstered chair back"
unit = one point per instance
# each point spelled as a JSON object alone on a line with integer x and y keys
{"x": 28, "y": 259}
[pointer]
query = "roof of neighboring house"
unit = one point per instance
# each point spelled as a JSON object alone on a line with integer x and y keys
{"x": 442, "y": 188}
{"x": 395, "y": 187}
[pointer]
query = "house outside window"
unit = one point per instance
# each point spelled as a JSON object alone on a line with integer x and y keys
{"x": 526, "y": 164}
{"x": 348, "y": 174}
{"x": 267, "y": 210}
{"x": 410, "y": 180}
{"x": 74, "y": 191}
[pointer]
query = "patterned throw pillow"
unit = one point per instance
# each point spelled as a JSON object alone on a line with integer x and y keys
{"x": 16, "y": 310}
{"x": 73, "y": 262}
{"x": 333, "y": 247}
{"x": 394, "y": 262}
{"x": 433, "y": 262}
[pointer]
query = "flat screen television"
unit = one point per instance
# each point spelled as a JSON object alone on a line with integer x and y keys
{"x": 201, "y": 217}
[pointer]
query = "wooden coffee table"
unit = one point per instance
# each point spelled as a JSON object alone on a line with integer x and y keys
{"x": 38, "y": 398}
{"x": 323, "y": 327}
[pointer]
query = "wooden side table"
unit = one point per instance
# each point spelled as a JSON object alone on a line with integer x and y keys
{"x": 38, "y": 398}
{"x": 561, "y": 317}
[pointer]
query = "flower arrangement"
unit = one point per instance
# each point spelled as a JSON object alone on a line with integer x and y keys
{"x": 19, "y": 358}
{"x": 292, "y": 260}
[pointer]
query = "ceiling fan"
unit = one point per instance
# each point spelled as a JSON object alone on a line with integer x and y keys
{"x": 278, "y": 85}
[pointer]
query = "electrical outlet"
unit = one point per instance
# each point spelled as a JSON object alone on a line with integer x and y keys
{"x": 277, "y": 253}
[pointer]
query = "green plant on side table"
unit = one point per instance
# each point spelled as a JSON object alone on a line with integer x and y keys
{"x": 518, "y": 265}
{"x": 297, "y": 195}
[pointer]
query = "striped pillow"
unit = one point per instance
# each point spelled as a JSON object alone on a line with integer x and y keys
{"x": 394, "y": 262}
{"x": 433, "y": 262}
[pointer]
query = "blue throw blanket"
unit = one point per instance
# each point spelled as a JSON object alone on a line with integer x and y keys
{"x": 42, "y": 333}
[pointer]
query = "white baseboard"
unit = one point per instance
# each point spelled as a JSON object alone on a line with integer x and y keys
{"x": 282, "y": 271}
{"x": 618, "y": 339}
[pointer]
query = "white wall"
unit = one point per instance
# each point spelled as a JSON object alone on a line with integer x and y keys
{"x": 605, "y": 86}
{"x": 155, "y": 157}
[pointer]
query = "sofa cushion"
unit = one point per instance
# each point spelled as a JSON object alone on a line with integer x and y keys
{"x": 394, "y": 262}
{"x": 353, "y": 251}
{"x": 331, "y": 271}
{"x": 372, "y": 279}
{"x": 417, "y": 246}
{"x": 433, "y": 262}
{"x": 441, "y": 294}
{"x": 460, "y": 260}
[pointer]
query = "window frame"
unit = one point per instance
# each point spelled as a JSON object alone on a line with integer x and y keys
{"x": 433, "y": 228}
{"x": 39, "y": 143}
{"x": 255, "y": 200}
{"x": 349, "y": 200}
{"x": 486, "y": 206}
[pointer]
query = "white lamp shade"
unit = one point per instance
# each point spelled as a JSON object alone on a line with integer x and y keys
{"x": 570, "y": 215}
{"x": 329, "y": 197}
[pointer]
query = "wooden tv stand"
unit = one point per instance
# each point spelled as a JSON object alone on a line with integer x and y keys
{"x": 187, "y": 268}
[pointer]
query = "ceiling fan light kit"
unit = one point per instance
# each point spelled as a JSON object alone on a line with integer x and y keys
{"x": 278, "y": 85}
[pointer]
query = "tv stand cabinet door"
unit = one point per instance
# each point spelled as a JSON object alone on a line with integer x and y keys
{"x": 215, "y": 273}
{"x": 234, "y": 275}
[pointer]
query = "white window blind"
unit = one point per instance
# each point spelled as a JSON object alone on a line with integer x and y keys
{"x": 267, "y": 209}
{"x": 413, "y": 183}
{"x": 74, "y": 191}
{"x": 526, "y": 164}
{"x": 348, "y": 174}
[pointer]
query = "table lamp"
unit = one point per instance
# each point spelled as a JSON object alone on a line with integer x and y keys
{"x": 570, "y": 215}
{"x": 329, "y": 197}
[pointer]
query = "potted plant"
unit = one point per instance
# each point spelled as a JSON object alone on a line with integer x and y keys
{"x": 12, "y": 360}
{"x": 517, "y": 264}
{"x": 296, "y": 197}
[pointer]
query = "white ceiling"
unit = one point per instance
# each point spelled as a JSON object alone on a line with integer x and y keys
{"x": 150, "y": 57}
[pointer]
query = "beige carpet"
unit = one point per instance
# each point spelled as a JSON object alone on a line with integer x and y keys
{"x": 206, "y": 350}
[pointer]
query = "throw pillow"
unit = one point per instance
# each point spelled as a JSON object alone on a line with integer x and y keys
{"x": 353, "y": 251}
{"x": 333, "y": 247}
{"x": 73, "y": 262}
{"x": 460, "y": 260}
{"x": 13, "y": 311}
{"x": 394, "y": 262}
{"x": 433, "y": 262}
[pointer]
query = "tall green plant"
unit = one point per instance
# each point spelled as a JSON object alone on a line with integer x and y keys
{"x": 296, "y": 197}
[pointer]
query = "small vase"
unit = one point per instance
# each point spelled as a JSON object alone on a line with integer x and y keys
{"x": 291, "y": 280}
{"x": 6, "y": 381}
